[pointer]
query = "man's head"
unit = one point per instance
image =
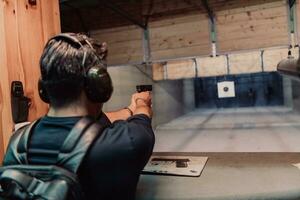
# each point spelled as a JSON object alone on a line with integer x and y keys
{"x": 72, "y": 65}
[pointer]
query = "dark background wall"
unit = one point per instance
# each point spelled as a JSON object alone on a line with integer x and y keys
{"x": 258, "y": 89}
{"x": 296, "y": 95}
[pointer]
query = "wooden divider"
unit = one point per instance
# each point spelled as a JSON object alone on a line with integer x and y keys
{"x": 212, "y": 66}
{"x": 237, "y": 63}
{"x": 249, "y": 26}
{"x": 181, "y": 68}
{"x": 241, "y": 63}
{"x": 125, "y": 44}
{"x": 24, "y": 30}
{"x": 158, "y": 71}
{"x": 272, "y": 57}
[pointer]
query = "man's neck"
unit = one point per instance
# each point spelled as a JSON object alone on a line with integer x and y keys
{"x": 69, "y": 111}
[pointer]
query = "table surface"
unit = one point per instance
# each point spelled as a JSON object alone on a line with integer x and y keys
{"x": 229, "y": 176}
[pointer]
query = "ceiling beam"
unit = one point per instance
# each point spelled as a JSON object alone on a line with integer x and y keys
{"x": 150, "y": 8}
{"x": 108, "y": 4}
{"x": 208, "y": 10}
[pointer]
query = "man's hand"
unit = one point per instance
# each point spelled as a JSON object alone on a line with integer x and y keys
{"x": 144, "y": 96}
{"x": 141, "y": 103}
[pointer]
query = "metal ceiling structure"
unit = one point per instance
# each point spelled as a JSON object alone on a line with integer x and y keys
{"x": 79, "y": 15}
{"x": 123, "y": 10}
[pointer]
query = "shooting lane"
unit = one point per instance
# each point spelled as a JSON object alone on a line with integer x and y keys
{"x": 184, "y": 49}
{"x": 25, "y": 26}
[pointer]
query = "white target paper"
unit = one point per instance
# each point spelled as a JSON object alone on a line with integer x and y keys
{"x": 226, "y": 89}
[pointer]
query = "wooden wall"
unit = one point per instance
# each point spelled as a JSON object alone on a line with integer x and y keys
{"x": 298, "y": 20}
{"x": 24, "y": 30}
{"x": 244, "y": 31}
{"x": 180, "y": 37}
{"x": 125, "y": 44}
{"x": 4, "y": 91}
{"x": 252, "y": 26}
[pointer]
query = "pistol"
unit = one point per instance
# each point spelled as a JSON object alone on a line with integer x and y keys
{"x": 143, "y": 88}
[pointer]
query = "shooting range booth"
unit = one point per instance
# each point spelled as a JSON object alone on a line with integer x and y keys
{"x": 225, "y": 78}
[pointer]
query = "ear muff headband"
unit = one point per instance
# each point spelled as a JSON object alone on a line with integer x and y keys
{"x": 98, "y": 85}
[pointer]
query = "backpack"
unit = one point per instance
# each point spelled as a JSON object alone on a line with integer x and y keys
{"x": 22, "y": 180}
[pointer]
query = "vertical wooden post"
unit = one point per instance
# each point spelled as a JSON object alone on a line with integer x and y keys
{"x": 5, "y": 117}
{"x": 24, "y": 30}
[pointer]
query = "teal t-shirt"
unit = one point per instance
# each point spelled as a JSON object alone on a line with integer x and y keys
{"x": 112, "y": 167}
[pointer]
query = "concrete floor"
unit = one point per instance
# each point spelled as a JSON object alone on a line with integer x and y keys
{"x": 269, "y": 129}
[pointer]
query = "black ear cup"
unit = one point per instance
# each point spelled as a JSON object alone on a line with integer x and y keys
{"x": 43, "y": 92}
{"x": 98, "y": 84}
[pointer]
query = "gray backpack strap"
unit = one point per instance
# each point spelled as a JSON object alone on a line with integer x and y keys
{"x": 20, "y": 185}
{"x": 78, "y": 143}
{"x": 45, "y": 156}
{"x": 17, "y": 149}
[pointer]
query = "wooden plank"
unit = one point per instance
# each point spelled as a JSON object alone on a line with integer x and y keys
{"x": 125, "y": 58}
{"x": 249, "y": 62}
{"x": 272, "y": 57}
{"x": 187, "y": 40}
{"x": 50, "y": 19}
{"x": 265, "y": 23}
{"x": 181, "y": 69}
{"x": 177, "y": 20}
{"x": 164, "y": 7}
{"x": 124, "y": 44}
{"x": 182, "y": 52}
{"x": 5, "y": 110}
{"x": 229, "y": 7}
{"x": 119, "y": 34}
{"x": 27, "y": 28}
{"x": 212, "y": 66}
{"x": 180, "y": 37}
{"x": 158, "y": 71}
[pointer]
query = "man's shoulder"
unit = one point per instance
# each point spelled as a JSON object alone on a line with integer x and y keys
{"x": 134, "y": 133}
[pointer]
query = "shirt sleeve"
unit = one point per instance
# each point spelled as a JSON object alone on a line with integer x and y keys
{"x": 114, "y": 163}
{"x": 129, "y": 141}
{"x": 142, "y": 137}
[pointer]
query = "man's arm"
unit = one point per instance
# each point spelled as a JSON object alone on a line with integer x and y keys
{"x": 140, "y": 104}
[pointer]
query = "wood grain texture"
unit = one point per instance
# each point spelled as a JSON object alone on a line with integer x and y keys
{"x": 5, "y": 110}
{"x": 158, "y": 71}
{"x": 272, "y": 57}
{"x": 180, "y": 69}
{"x": 125, "y": 44}
{"x": 252, "y": 26}
{"x": 249, "y": 62}
{"x": 212, "y": 66}
{"x": 25, "y": 30}
{"x": 180, "y": 37}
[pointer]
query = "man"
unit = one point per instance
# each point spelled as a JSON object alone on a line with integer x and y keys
{"x": 112, "y": 166}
